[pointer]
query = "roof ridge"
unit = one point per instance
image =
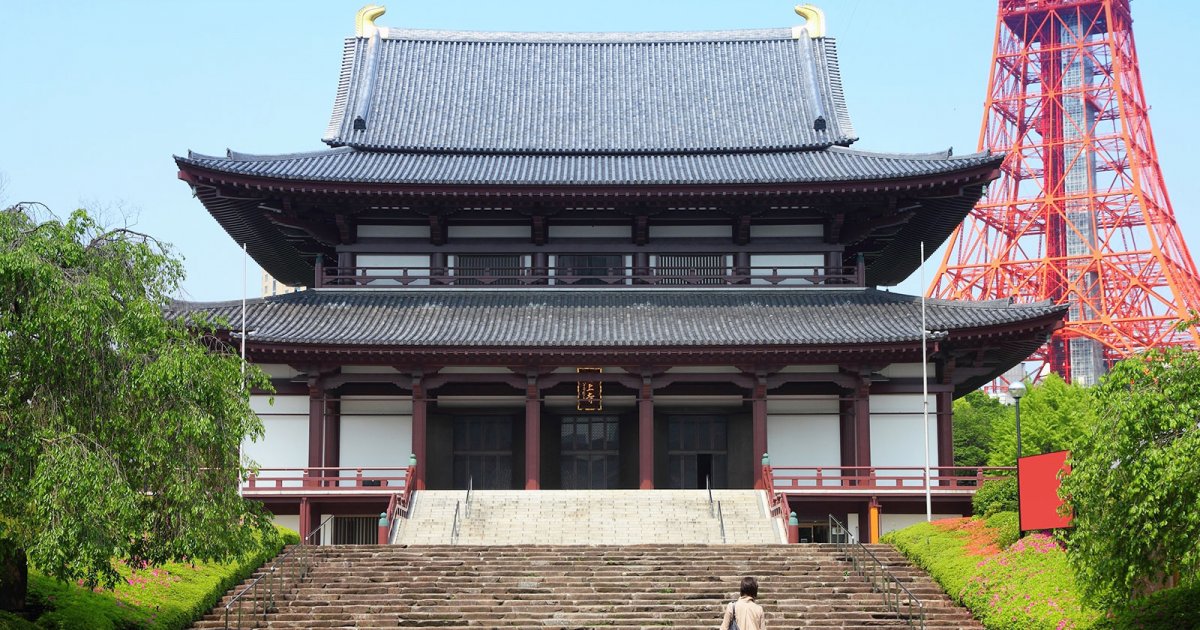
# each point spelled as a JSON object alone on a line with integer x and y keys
{"x": 587, "y": 37}
{"x": 947, "y": 154}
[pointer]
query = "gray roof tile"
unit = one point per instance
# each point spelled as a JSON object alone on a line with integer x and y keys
{"x": 835, "y": 164}
{"x": 589, "y": 92}
{"x": 607, "y": 318}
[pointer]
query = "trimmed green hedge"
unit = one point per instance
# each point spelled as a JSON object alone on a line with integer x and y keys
{"x": 169, "y": 597}
{"x": 995, "y": 496}
{"x": 1011, "y": 584}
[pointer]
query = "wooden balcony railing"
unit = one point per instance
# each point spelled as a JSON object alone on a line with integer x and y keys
{"x": 380, "y": 480}
{"x": 945, "y": 480}
{"x": 622, "y": 277}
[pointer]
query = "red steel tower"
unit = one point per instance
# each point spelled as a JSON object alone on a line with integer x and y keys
{"x": 1079, "y": 215}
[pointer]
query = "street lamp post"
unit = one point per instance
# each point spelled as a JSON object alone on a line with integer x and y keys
{"x": 1017, "y": 391}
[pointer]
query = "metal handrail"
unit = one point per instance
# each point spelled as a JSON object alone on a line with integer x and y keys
{"x": 273, "y": 580}
{"x": 470, "y": 490}
{"x": 454, "y": 527}
{"x": 708, "y": 486}
{"x": 895, "y": 595}
{"x": 721, "y": 520}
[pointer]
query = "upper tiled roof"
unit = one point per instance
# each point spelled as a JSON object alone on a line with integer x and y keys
{"x": 835, "y": 164}
{"x": 412, "y": 90}
{"x": 608, "y": 318}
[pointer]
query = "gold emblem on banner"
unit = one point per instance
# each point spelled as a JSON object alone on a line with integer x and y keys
{"x": 589, "y": 395}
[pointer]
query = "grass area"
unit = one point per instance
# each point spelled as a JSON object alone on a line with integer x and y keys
{"x": 169, "y": 597}
{"x": 1012, "y": 584}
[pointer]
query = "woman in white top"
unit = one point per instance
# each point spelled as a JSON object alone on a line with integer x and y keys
{"x": 745, "y": 611}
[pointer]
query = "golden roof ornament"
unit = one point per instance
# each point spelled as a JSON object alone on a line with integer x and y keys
{"x": 364, "y": 20}
{"x": 814, "y": 21}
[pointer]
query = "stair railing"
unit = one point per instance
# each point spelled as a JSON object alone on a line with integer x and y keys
{"x": 899, "y": 599}
{"x": 400, "y": 503}
{"x": 454, "y": 527}
{"x": 708, "y": 486}
{"x": 470, "y": 491}
{"x": 721, "y": 520}
{"x": 261, "y": 594}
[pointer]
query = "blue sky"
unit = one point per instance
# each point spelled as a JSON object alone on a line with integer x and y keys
{"x": 100, "y": 95}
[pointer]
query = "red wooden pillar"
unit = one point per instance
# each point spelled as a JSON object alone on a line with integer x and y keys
{"x": 332, "y": 437}
{"x": 305, "y": 520}
{"x": 758, "y": 429}
{"x": 419, "y": 431}
{"x": 533, "y": 435}
{"x": 646, "y": 435}
{"x": 945, "y": 428}
{"x": 862, "y": 427}
{"x": 846, "y": 436}
{"x": 316, "y": 413}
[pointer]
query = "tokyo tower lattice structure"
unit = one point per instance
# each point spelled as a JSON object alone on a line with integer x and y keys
{"x": 1079, "y": 215}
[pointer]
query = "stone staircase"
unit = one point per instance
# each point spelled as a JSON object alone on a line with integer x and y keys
{"x": 612, "y": 587}
{"x": 598, "y": 517}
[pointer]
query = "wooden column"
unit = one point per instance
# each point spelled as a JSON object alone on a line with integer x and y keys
{"x": 646, "y": 435}
{"x": 846, "y": 436}
{"x": 419, "y": 431}
{"x": 533, "y": 435}
{"x": 862, "y": 425}
{"x": 945, "y": 428}
{"x": 305, "y": 520}
{"x": 758, "y": 429}
{"x": 316, "y": 413}
{"x": 333, "y": 437}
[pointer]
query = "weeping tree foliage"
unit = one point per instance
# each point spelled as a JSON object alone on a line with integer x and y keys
{"x": 1054, "y": 416}
{"x": 119, "y": 428}
{"x": 974, "y": 416}
{"x": 1135, "y": 482}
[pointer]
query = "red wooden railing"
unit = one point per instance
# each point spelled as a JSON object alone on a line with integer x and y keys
{"x": 361, "y": 479}
{"x": 784, "y": 480}
{"x": 348, "y": 277}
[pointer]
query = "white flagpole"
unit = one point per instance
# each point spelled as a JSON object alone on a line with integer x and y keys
{"x": 925, "y": 389}
{"x": 245, "y": 255}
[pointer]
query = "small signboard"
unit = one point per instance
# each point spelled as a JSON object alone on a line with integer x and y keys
{"x": 589, "y": 394}
{"x": 1039, "y": 477}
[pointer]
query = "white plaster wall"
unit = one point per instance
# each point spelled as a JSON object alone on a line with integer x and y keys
{"x": 277, "y": 370}
{"x": 897, "y": 427}
{"x": 907, "y": 370}
{"x": 285, "y": 439}
{"x": 488, "y": 231}
{"x": 777, "y": 231}
{"x": 804, "y": 431}
{"x": 591, "y": 231}
{"x": 369, "y": 369}
{"x": 786, "y": 265}
{"x": 691, "y": 231}
{"x": 809, "y": 369}
{"x": 290, "y": 521}
{"x": 481, "y": 402}
{"x": 376, "y": 431}
{"x": 414, "y": 264}
{"x": 393, "y": 231}
{"x": 892, "y": 522}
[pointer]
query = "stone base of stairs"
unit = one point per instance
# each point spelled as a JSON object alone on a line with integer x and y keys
{"x": 610, "y": 587}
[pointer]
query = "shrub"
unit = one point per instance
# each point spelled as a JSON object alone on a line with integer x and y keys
{"x": 1005, "y": 526}
{"x": 169, "y": 597}
{"x": 1165, "y": 610}
{"x": 995, "y": 496}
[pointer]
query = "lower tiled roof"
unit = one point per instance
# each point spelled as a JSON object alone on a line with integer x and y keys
{"x": 607, "y": 318}
{"x": 349, "y": 165}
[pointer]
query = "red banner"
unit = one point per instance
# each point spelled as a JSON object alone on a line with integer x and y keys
{"x": 1039, "y": 477}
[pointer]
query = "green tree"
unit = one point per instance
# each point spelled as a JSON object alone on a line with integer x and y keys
{"x": 974, "y": 416}
{"x": 1054, "y": 416}
{"x": 119, "y": 427}
{"x": 1134, "y": 485}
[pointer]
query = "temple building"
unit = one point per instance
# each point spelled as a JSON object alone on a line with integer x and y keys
{"x": 603, "y": 260}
